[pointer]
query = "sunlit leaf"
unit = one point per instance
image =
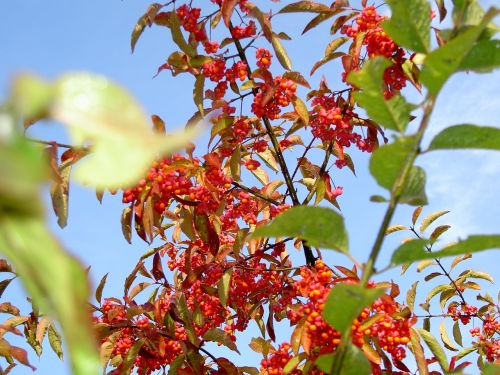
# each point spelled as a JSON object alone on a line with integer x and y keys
{"x": 393, "y": 113}
{"x": 418, "y": 352}
{"x": 59, "y": 193}
{"x": 429, "y": 219}
{"x": 483, "y": 57}
{"x": 409, "y": 24}
{"x": 435, "y": 348}
{"x": 281, "y": 53}
{"x": 467, "y": 136}
{"x": 345, "y": 302}
{"x": 414, "y": 250}
{"x": 321, "y": 227}
{"x": 42, "y": 264}
{"x": 444, "y": 61}
{"x": 145, "y": 20}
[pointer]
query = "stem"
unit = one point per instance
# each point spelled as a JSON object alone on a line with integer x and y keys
{"x": 256, "y": 193}
{"x": 397, "y": 189}
{"x": 310, "y": 260}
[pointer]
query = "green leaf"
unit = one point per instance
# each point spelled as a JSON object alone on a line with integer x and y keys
{"x": 414, "y": 250}
{"x": 354, "y": 362}
{"x": 31, "y": 96}
{"x": 483, "y": 57}
{"x": 491, "y": 369}
{"x": 435, "y": 348}
{"x": 177, "y": 37}
{"x": 410, "y": 24}
{"x": 467, "y": 136}
{"x": 414, "y": 190}
{"x": 318, "y": 226}
{"x": 386, "y": 164}
{"x": 281, "y": 53}
{"x": 345, "y": 302}
{"x": 57, "y": 283}
{"x": 21, "y": 171}
{"x": 393, "y": 113}
{"x": 102, "y": 113}
{"x": 440, "y": 64}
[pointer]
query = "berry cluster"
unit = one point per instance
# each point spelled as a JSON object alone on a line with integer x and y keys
{"x": 464, "y": 312}
{"x": 378, "y": 43}
{"x": 272, "y": 96}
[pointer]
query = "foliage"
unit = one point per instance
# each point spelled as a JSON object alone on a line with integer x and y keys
{"x": 224, "y": 240}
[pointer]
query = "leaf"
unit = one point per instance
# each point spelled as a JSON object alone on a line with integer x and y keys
{"x": 414, "y": 191}
{"x": 41, "y": 263}
{"x": 100, "y": 287}
{"x": 4, "y": 284}
{"x": 306, "y": 6}
{"x": 126, "y": 221}
{"x": 395, "y": 228}
{"x": 320, "y": 18}
{"x": 483, "y": 57}
{"x": 429, "y": 219}
{"x": 98, "y": 111}
{"x": 326, "y": 59}
{"x": 59, "y": 193}
{"x": 334, "y": 45}
{"x": 281, "y": 53}
{"x": 301, "y": 109}
{"x": 177, "y": 37}
{"x": 21, "y": 356}
{"x": 439, "y": 289}
{"x": 465, "y": 137}
{"x": 435, "y": 348}
{"x": 393, "y": 113}
{"x": 436, "y": 233}
{"x": 490, "y": 369}
{"x": 414, "y": 250}
{"x": 410, "y": 296}
{"x": 224, "y": 287}
{"x": 416, "y": 214}
{"x": 222, "y": 337}
{"x": 418, "y": 352}
{"x": 128, "y": 361}
{"x": 145, "y": 20}
{"x": 198, "y": 92}
{"x": 297, "y": 78}
{"x": 354, "y": 362}
{"x": 409, "y": 24}
{"x": 457, "y": 335}
{"x": 259, "y": 345}
{"x": 321, "y": 227}
{"x": 445, "y": 338}
{"x": 387, "y": 162}
{"x": 227, "y": 9}
{"x": 443, "y": 62}
{"x": 55, "y": 341}
{"x": 345, "y": 302}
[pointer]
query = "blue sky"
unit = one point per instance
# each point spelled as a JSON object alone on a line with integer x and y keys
{"x": 94, "y": 36}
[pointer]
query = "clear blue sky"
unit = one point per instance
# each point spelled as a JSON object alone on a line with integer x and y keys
{"x": 49, "y": 38}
